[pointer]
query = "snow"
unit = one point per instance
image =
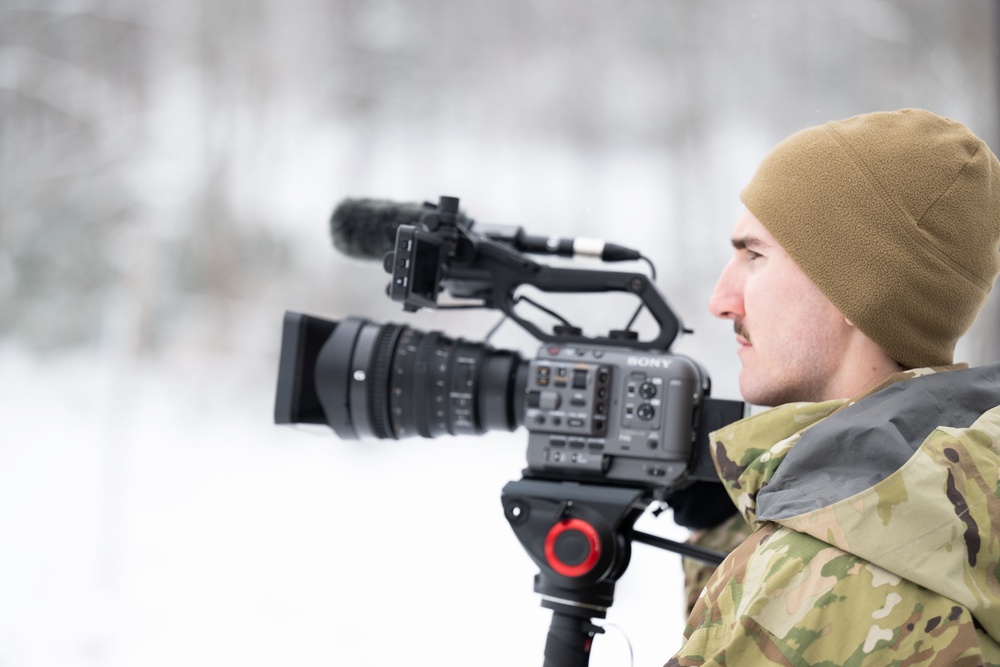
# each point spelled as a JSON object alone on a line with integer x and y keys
{"x": 151, "y": 514}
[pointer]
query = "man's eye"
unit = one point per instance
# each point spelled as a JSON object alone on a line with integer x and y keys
{"x": 751, "y": 255}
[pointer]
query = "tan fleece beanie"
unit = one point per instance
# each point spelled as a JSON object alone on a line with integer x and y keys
{"x": 895, "y": 216}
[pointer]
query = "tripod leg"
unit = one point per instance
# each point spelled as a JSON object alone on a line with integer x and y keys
{"x": 569, "y": 641}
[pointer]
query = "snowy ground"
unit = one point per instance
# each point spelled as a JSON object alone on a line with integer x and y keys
{"x": 151, "y": 514}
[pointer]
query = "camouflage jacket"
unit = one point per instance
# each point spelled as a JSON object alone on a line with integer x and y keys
{"x": 877, "y": 531}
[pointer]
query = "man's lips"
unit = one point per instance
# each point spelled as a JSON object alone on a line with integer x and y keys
{"x": 741, "y": 336}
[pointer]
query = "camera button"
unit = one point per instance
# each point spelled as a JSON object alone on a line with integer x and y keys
{"x": 549, "y": 400}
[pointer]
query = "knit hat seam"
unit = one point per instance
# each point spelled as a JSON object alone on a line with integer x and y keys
{"x": 912, "y": 229}
{"x": 972, "y": 277}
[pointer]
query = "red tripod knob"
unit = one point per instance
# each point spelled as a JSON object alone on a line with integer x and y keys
{"x": 572, "y": 547}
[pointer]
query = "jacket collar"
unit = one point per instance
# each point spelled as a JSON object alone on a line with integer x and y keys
{"x": 748, "y": 452}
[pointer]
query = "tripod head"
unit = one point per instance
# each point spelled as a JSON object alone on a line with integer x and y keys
{"x": 580, "y": 536}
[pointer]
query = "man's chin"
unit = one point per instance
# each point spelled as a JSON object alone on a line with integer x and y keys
{"x": 753, "y": 392}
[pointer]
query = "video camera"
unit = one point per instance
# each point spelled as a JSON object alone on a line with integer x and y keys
{"x": 614, "y": 423}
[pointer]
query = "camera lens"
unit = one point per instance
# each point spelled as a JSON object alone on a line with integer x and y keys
{"x": 393, "y": 381}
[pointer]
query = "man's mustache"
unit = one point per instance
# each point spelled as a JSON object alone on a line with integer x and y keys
{"x": 741, "y": 331}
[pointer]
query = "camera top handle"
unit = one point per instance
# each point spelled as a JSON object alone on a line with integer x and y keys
{"x": 442, "y": 254}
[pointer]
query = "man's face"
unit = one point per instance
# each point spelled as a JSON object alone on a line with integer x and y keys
{"x": 792, "y": 341}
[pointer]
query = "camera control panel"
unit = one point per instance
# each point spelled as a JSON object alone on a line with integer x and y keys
{"x": 595, "y": 411}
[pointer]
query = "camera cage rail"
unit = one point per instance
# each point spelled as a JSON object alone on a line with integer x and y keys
{"x": 442, "y": 254}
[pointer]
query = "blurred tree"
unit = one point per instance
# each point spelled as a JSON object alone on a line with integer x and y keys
{"x": 72, "y": 89}
{"x": 188, "y": 134}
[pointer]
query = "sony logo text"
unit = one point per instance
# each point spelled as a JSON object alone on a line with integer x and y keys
{"x": 647, "y": 362}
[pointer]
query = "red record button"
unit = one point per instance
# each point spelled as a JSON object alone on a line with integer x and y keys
{"x": 572, "y": 548}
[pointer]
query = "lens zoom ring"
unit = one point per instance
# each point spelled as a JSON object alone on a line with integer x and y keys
{"x": 423, "y": 382}
{"x": 378, "y": 381}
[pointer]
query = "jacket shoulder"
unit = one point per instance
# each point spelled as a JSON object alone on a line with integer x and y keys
{"x": 786, "y": 598}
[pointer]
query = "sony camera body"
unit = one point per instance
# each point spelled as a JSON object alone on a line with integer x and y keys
{"x": 613, "y": 415}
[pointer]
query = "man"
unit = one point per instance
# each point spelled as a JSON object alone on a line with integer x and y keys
{"x": 866, "y": 250}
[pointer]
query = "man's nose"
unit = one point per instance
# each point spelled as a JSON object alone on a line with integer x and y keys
{"x": 727, "y": 298}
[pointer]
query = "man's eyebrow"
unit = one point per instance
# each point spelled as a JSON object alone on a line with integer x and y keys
{"x": 747, "y": 242}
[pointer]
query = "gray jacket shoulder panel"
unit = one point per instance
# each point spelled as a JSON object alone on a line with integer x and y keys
{"x": 865, "y": 442}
